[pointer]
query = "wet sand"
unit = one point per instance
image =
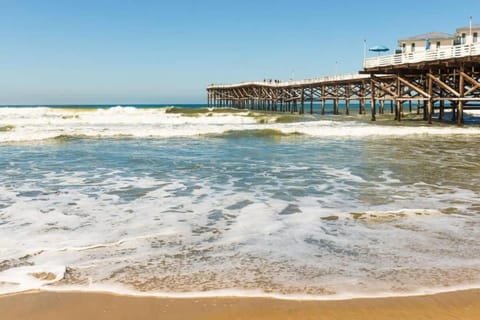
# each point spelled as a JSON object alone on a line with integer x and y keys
{"x": 81, "y": 306}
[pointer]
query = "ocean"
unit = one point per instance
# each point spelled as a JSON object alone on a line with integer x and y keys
{"x": 191, "y": 201}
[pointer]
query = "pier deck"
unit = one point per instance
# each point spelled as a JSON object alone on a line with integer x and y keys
{"x": 434, "y": 80}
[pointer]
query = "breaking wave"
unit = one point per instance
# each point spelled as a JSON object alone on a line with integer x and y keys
{"x": 43, "y": 123}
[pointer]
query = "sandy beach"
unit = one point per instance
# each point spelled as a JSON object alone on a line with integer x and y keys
{"x": 76, "y": 305}
{"x": 239, "y": 160}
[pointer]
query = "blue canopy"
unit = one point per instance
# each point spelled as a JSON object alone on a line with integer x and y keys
{"x": 379, "y": 49}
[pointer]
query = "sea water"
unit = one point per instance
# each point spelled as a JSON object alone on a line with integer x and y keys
{"x": 195, "y": 201}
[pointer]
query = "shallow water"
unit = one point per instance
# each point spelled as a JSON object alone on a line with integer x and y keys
{"x": 152, "y": 201}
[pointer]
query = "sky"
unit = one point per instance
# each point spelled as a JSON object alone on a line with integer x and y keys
{"x": 162, "y": 52}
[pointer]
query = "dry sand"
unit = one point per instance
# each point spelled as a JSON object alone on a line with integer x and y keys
{"x": 76, "y": 305}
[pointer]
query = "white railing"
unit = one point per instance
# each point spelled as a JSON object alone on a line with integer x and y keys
{"x": 273, "y": 83}
{"x": 426, "y": 55}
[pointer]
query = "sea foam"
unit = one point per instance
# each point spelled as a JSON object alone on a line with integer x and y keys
{"x": 43, "y": 123}
{"x": 245, "y": 209}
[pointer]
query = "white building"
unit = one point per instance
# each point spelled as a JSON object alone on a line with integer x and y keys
{"x": 426, "y": 41}
{"x": 467, "y": 35}
{"x": 438, "y": 40}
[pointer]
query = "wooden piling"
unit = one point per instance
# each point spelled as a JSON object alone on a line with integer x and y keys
{"x": 311, "y": 100}
{"x": 302, "y": 102}
{"x": 461, "y": 91}
{"x": 430, "y": 99}
{"x": 373, "y": 97}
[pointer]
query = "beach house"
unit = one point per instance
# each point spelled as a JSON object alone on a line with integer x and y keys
{"x": 425, "y": 41}
{"x": 468, "y": 34}
{"x": 438, "y": 40}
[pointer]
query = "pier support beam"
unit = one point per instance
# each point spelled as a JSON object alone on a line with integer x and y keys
{"x": 363, "y": 97}
{"x": 348, "y": 95}
{"x": 374, "y": 107}
{"x": 302, "y": 102}
{"x": 454, "y": 111}
{"x": 430, "y": 99}
{"x": 361, "y": 108}
{"x": 311, "y": 100}
{"x": 461, "y": 90}
{"x": 398, "y": 103}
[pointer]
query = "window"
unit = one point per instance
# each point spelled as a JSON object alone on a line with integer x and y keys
{"x": 475, "y": 37}
{"x": 464, "y": 38}
{"x": 413, "y": 47}
{"x": 404, "y": 47}
{"x": 438, "y": 45}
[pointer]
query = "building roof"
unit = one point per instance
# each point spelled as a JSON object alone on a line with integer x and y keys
{"x": 431, "y": 36}
{"x": 475, "y": 26}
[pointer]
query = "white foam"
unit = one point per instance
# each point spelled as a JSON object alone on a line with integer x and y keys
{"x": 23, "y": 278}
{"x": 41, "y": 123}
{"x": 472, "y": 112}
{"x": 256, "y": 294}
{"x": 243, "y": 221}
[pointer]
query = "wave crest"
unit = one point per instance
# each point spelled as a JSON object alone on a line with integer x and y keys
{"x": 43, "y": 123}
{"x": 257, "y": 133}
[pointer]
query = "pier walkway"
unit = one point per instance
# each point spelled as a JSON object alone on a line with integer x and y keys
{"x": 436, "y": 79}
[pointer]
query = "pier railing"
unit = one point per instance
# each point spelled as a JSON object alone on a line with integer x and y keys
{"x": 421, "y": 56}
{"x": 290, "y": 83}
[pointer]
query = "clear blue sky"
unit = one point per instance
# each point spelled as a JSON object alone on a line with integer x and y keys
{"x": 114, "y": 51}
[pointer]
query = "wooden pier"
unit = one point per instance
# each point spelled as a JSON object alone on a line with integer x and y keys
{"x": 430, "y": 81}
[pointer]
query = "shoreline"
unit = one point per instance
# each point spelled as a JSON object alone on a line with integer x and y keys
{"x": 119, "y": 290}
{"x": 76, "y": 305}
